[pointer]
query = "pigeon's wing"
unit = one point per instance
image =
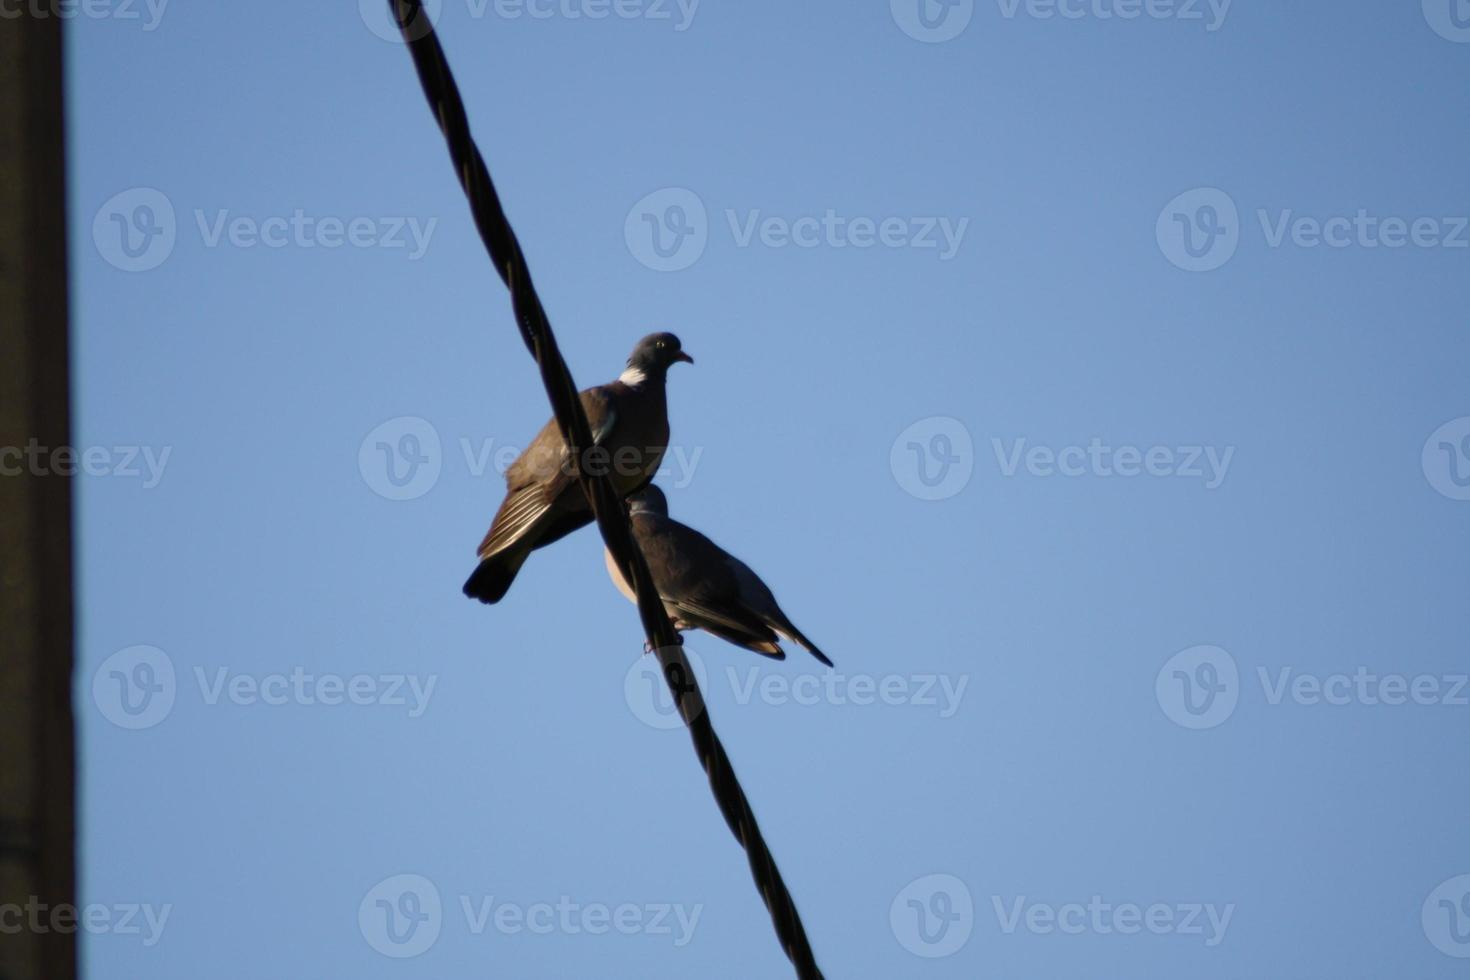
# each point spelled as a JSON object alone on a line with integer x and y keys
{"x": 537, "y": 483}
{"x": 756, "y": 596}
{"x": 690, "y": 613}
{"x": 697, "y": 584}
{"x": 726, "y": 622}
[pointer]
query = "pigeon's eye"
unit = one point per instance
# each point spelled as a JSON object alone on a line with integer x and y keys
{"x": 661, "y": 344}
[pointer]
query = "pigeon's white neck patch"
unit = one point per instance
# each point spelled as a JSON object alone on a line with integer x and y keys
{"x": 632, "y": 377}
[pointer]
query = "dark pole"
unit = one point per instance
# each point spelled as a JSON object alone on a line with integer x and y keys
{"x": 37, "y": 743}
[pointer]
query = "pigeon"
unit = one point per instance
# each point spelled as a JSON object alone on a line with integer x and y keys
{"x": 702, "y": 585}
{"x": 543, "y": 501}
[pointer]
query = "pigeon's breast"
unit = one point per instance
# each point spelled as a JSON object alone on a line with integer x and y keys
{"x": 642, "y": 440}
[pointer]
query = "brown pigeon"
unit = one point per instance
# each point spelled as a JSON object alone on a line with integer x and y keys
{"x": 543, "y": 501}
{"x": 702, "y": 585}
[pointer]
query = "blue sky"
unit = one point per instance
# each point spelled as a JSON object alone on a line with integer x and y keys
{"x": 1088, "y": 380}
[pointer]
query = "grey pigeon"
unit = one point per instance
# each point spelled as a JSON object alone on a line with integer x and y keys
{"x": 543, "y": 501}
{"x": 702, "y": 585}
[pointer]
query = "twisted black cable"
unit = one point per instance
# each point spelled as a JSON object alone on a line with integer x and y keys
{"x": 510, "y": 263}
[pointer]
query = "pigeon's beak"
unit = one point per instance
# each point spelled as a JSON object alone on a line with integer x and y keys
{"x": 681, "y": 356}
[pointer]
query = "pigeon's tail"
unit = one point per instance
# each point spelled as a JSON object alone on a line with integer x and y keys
{"x": 490, "y": 581}
{"x": 795, "y": 634}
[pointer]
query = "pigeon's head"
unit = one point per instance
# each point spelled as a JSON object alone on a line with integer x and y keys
{"x": 653, "y": 357}
{"x": 649, "y": 500}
